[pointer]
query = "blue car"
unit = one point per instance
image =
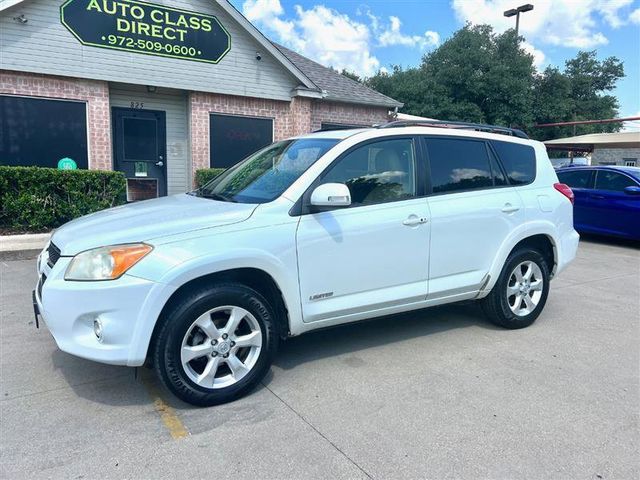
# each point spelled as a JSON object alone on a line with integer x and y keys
{"x": 607, "y": 199}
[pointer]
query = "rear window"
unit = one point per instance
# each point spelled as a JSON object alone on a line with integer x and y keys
{"x": 458, "y": 165}
{"x": 576, "y": 179}
{"x": 519, "y": 161}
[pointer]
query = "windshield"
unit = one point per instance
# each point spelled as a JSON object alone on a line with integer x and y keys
{"x": 263, "y": 176}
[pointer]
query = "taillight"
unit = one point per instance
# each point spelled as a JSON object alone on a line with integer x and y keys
{"x": 565, "y": 190}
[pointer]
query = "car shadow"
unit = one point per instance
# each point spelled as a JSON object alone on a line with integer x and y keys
{"x": 371, "y": 333}
{"x": 611, "y": 241}
{"x": 124, "y": 386}
{"x": 105, "y": 384}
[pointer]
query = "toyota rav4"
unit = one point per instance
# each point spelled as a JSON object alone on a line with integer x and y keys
{"x": 310, "y": 232}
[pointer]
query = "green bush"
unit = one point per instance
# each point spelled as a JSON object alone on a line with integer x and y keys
{"x": 205, "y": 175}
{"x": 35, "y": 199}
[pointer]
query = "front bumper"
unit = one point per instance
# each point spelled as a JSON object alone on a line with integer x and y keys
{"x": 69, "y": 309}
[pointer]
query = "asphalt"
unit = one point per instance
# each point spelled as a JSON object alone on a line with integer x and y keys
{"x": 438, "y": 393}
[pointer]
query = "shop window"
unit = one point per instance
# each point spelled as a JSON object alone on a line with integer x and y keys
{"x": 36, "y": 131}
{"x": 233, "y": 138}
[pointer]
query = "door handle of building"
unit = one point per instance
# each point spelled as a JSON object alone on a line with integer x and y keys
{"x": 508, "y": 208}
{"x": 160, "y": 163}
{"x": 414, "y": 220}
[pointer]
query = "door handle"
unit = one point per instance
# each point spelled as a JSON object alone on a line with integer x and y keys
{"x": 414, "y": 220}
{"x": 597, "y": 197}
{"x": 508, "y": 208}
{"x": 160, "y": 163}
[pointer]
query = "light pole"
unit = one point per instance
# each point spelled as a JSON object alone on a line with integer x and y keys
{"x": 517, "y": 11}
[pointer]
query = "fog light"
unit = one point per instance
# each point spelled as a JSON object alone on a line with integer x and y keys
{"x": 97, "y": 329}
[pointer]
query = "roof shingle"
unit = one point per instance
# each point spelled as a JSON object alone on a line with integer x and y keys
{"x": 338, "y": 88}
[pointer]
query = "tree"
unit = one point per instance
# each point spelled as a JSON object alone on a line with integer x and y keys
{"x": 476, "y": 76}
{"x": 578, "y": 93}
{"x": 351, "y": 75}
{"x": 480, "y": 76}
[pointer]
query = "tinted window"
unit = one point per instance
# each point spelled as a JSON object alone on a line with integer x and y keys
{"x": 233, "y": 138}
{"x": 519, "y": 161}
{"x": 377, "y": 172}
{"x": 140, "y": 138}
{"x": 458, "y": 165}
{"x": 576, "y": 179}
{"x": 35, "y": 131}
{"x": 606, "y": 180}
{"x": 498, "y": 175}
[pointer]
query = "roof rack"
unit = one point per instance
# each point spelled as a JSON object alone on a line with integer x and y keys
{"x": 478, "y": 127}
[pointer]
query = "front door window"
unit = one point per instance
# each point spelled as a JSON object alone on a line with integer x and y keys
{"x": 140, "y": 151}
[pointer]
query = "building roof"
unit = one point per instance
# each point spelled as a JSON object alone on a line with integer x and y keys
{"x": 597, "y": 140}
{"x": 337, "y": 87}
{"x": 317, "y": 81}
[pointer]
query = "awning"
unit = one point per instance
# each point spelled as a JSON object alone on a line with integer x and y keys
{"x": 587, "y": 143}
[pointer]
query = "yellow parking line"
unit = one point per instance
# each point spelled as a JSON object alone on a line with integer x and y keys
{"x": 167, "y": 413}
{"x": 170, "y": 419}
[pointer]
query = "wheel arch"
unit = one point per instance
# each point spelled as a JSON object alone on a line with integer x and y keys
{"x": 255, "y": 278}
{"x": 540, "y": 237}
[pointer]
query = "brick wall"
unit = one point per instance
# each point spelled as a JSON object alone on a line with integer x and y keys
{"x": 203, "y": 104}
{"x": 345, "y": 113}
{"x": 301, "y": 115}
{"x": 94, "y": 93}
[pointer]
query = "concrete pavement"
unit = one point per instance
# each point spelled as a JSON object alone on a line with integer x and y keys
{"x": 436, "y": 393}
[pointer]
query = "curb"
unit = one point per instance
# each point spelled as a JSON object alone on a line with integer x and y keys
{"x": 11, "y": 255}
{"x": 22, "y": 247}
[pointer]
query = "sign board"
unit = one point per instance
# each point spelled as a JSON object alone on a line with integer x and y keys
{"x": 147, "y": 28}
{"x": 67, "y": 164}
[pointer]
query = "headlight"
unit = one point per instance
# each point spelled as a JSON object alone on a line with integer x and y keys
{"x": 106, "y": 263}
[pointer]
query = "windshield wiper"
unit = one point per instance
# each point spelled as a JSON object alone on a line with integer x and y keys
{"x": 217, "y": 196}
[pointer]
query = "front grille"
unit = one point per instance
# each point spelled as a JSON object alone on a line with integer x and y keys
{"x": 43, "y": 278}
{"x": 54, "y": 254}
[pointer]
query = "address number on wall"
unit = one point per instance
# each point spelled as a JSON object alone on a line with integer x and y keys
{"x": 137, "y": 105}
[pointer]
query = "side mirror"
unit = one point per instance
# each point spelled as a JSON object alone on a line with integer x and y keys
{"x": 632, "y": 190}
{"x": 331, "y": 195}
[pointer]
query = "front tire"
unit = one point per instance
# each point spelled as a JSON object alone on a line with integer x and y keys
{"x": 216, "y": 344}
{"x": 521, "y": 291}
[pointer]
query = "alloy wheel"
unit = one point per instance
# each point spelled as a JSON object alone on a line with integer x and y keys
{"x": 221, "y": 347}
{"x": 524, "y": 288}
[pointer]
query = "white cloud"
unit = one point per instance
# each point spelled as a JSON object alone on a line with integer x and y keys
{"x": 333, "y": 38}
{"x": 556, "y": 22}
{"x": 320, "y": 33}
{"x": 610, "y": 10}
{"x": 634, "y": 17}
{"x": 262, "y": 9}
{"x": 393, "y": 36}
{"x": 538, "y": 55}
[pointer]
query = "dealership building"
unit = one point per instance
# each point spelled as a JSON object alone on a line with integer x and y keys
{"x": 158, "y": 90}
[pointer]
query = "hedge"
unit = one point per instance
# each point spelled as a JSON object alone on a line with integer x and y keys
{"x": 205, "y": 175}
{"x": 35, "y": 199}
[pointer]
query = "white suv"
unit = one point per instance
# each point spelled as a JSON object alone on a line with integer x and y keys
{"x": 310, "y": 232}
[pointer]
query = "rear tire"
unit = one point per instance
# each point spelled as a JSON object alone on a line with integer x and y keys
{"x": 521, "y": 291}
{"x": 216, "y": 344}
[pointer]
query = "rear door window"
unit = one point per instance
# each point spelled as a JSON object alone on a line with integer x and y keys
{"x": 518, "y": 160}
{"x": 458, "y": 165}
{"x": 576, "y": 178}
{"x": 612, "y": 181}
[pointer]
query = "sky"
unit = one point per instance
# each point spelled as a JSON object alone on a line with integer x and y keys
{"x": 365, "y": 36}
